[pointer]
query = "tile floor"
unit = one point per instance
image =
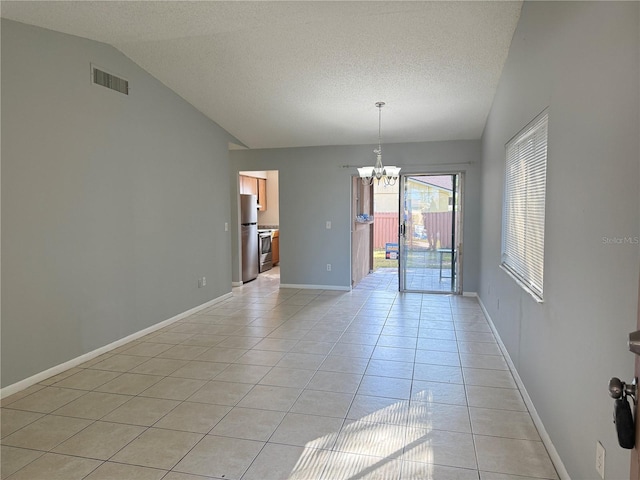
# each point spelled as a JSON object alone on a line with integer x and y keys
{"x": 287, "y": 384}
{"x": 426, "y": 279}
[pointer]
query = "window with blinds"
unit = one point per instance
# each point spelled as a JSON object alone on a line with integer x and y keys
{"x": 523, "y": 207}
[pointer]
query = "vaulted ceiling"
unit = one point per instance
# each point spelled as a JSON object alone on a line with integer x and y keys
{"x": 307, "y": 73}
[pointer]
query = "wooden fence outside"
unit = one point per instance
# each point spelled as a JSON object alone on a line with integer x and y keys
{"x": 434, "y": 232}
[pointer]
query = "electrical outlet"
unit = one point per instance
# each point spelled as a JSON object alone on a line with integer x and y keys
{"x": 328, "y": 267}
{"x": 226, "y": 226}
{"x": 600, "y": 459}
{"x": 204, "y": 281}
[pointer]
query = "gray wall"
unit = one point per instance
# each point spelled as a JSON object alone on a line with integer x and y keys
{"x": 315, "y": 187}
{"x": 580, "y": 59}
{"x": 112, "y": 206}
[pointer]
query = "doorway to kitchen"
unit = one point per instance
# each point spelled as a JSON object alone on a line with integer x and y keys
{"x": 264, "y": 256}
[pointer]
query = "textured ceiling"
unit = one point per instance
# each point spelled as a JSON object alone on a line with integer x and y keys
{"x": 284, "y": 74}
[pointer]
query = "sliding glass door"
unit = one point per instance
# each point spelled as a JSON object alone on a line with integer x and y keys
{"x": 430, "y": 247}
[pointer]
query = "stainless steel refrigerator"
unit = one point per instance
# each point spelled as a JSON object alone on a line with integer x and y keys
{"x": 249, "y": 235}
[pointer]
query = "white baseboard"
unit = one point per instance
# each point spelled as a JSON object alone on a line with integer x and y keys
{"x": 315, "y": 287}
{"x": 237, "y": 284}
{"x": 470, "y": 294}
{"x": 38, "y": 377}
{"x": 544, "y": 436}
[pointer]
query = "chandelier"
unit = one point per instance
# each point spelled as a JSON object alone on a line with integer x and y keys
{"x": 388, "y": 175}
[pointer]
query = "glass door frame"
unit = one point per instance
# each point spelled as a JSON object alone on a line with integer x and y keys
{"x": 456, "y": 233}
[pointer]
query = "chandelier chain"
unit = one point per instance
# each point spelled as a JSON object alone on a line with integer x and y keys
{"x": 379, "y": 105}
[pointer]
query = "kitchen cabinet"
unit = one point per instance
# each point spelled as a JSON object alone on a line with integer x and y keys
{"x": 262, "y": 194}
{"x": 275, "y": 247}
{"x": 255, "y": 186}
{"x": 248, "y": 186}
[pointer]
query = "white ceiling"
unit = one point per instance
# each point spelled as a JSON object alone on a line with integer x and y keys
{"x": 306, "y": 73}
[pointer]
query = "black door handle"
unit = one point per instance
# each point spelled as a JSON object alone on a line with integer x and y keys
{"x": 622, "y": 414}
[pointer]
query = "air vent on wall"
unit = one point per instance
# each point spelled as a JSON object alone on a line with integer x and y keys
{"x": 100, "y": 77}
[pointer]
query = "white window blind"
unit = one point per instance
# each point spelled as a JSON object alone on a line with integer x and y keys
{"x": 523, "y": 208}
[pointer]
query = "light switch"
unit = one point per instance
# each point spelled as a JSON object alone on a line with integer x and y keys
{"x": 328, "y": 225}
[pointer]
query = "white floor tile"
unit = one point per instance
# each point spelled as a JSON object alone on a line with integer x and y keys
{"x": 287, "y": 384}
